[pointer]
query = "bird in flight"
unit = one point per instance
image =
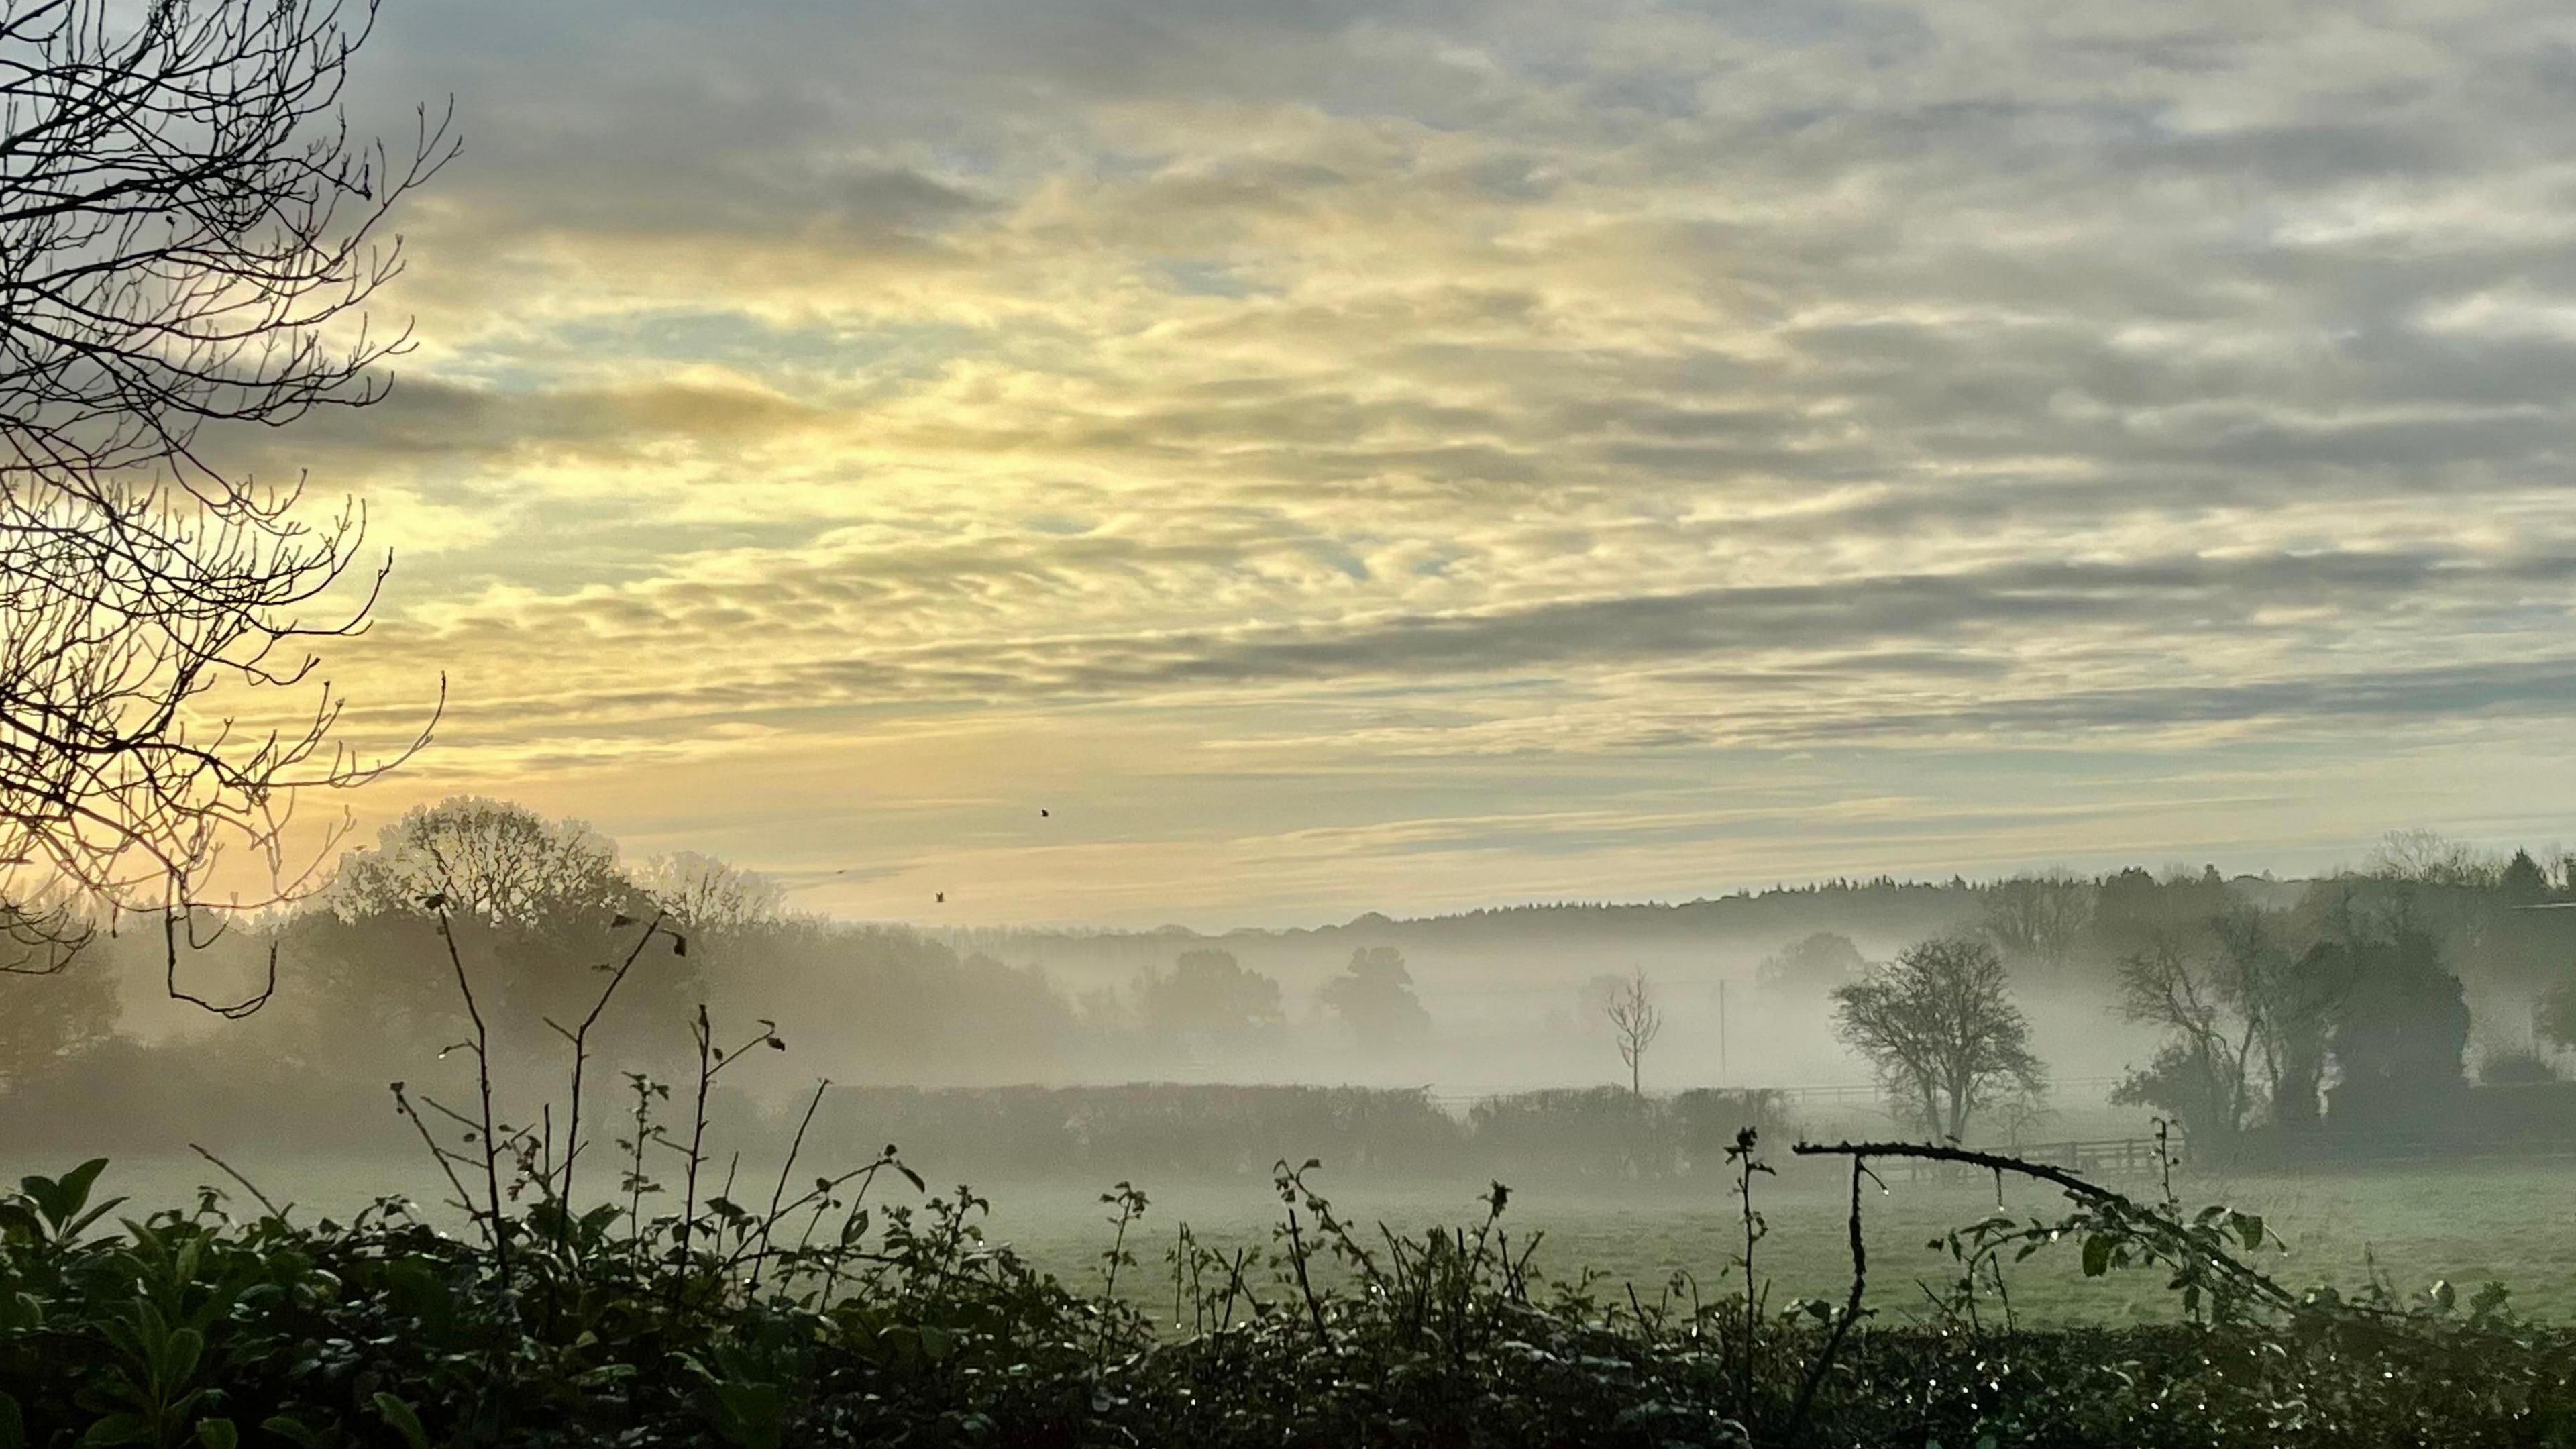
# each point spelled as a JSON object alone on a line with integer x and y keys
{"x": 1042, "y": 814}
{"x": 940, "y": 899}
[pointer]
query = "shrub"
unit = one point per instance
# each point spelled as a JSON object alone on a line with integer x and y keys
{"x": 843, "y": 1316}
{"x": 2515, "y": 1066}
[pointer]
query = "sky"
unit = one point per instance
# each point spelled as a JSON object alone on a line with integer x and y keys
{"x": 1411, "y": 456}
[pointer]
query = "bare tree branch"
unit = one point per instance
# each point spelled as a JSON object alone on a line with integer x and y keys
{"x": 1635, "y": 1021}
{"x": 188, "y": 236}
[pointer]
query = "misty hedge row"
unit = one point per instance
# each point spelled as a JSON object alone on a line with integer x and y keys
{"x": 1164, "y": 1130}
{"x": 161, "y": 1101}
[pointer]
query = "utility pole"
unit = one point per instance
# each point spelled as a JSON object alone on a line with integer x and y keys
{"x": 1722, "y": 1076}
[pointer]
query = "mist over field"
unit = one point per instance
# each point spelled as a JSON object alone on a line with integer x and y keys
{"x": 1443, "y": 724}
{"x": 1418, "y": 1059}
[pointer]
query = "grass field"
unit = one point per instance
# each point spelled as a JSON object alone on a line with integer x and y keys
{"x": 2467, "y": 1223}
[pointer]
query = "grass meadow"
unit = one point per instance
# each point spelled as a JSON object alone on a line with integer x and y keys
{"x": 2464, "y": 1222}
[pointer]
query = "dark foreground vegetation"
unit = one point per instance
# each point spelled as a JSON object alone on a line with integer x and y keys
{"x": 854, "y": 1308}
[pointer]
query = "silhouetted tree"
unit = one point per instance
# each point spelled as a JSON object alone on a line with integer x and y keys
{"x": 2296, "y": 1019}
{"x": 701, "y": 893}
{"x": 1940, "y": 1026}
{"x": 534, "y": 904}
{"x": 2211, "y": 1012}
{"x": 2039, "y": 918}
{"x": 2349, "y": 908}
{"x": 1817, "y": 965}
{"x": 1207, "y": 991}
{"x": 2522, "y": 882}
{"x": 2401, "y": 1033}
{"x": 2247, "y": 1022}
{"x": 1635, "y": 1022}
{"x": 1374, "y": 997}
{"x": 186, "y": 236}
{"x": 491, "y": 860}
{"x": 2427, "y": 857}
{"x": 2134, "y": 910}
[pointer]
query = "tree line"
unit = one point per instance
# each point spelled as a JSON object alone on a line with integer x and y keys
{"x": 2277, "y": 1011}
{"x": 2273, "y": 1007}
{"x": 362, "y": 976}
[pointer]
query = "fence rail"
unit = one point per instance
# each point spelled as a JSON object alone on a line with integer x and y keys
{"x": 2109, "y": 1155}
{"x": 1830, "y": 1092}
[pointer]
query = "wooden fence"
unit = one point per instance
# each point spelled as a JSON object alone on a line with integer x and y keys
{"x": 2101, "y": 1159}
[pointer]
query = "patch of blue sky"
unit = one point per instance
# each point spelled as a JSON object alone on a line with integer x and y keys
{"x": 954, "y": 160}
{"x": 1057, "y": 525}
{"x": 1203, "y": 279}
{"x": 1119, "y": 163}
{"x": 1339, "y": 558}
{"x": 512, "y": 371}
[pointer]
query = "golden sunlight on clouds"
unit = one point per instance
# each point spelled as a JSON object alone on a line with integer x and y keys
{"x": 1463, "y": 456}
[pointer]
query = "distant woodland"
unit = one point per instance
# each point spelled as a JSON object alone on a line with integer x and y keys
{"x": 2239, "y": 1006}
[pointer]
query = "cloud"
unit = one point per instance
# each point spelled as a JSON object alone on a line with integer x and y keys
{"x": 1475, "y": 380}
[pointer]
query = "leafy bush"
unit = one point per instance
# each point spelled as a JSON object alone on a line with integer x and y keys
{"x": 841, "y": 1316}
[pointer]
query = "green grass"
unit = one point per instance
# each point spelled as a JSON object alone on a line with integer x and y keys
{"x": 2466, "y": 1223}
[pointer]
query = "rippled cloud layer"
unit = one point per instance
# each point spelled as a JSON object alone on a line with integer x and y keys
{"x": 1336, "y": 455}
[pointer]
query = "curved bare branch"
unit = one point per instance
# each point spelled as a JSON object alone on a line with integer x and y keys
{"x": 188, "y": 237}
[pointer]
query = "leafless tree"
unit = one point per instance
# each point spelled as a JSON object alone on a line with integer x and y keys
{"x": 1940, "y": 1026}
{"x": 2429, "y": 857}
{"x": 488, "y": 860}
{"x": 701, "y": 893}
{"x": 188, "y": 236}
{"x": 2039, "y": 917}
{"x": 2211, "y": 1010}
{"x": 1635, "y": 1021}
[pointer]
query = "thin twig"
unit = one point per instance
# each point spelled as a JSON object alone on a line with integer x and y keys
{"x": 581, "y": 1056}
{"x": 444, "y": 1158}
{"x": 779, "y": 1194}
{"x": 483, "y": 1083}
{"x": 248, "y": 1186}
